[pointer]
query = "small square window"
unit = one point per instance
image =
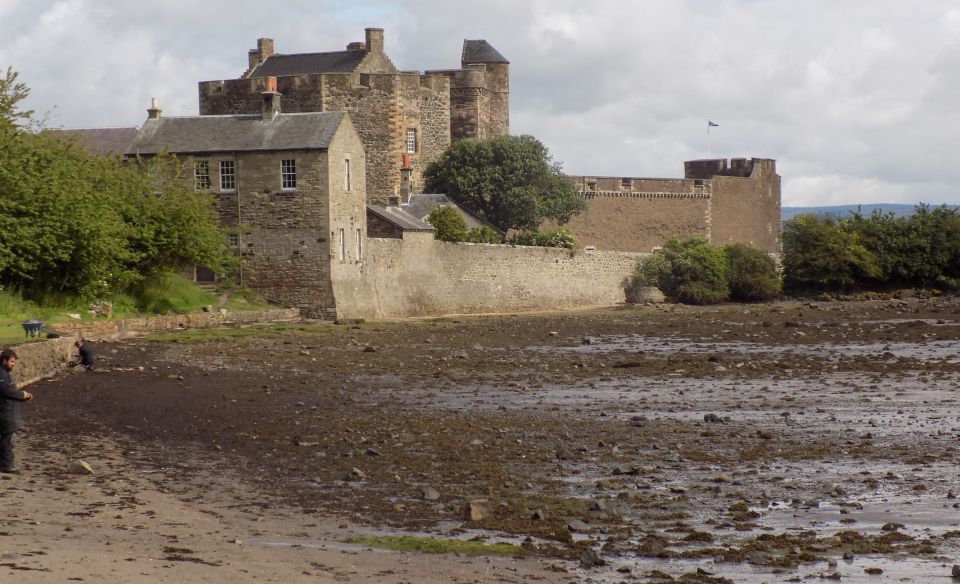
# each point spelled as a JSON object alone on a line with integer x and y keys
{"x": 288, "y": 174}
{"x": 411, "y": 141}
{"x": 228, "y": 176}
{"x": 201, "y": 174}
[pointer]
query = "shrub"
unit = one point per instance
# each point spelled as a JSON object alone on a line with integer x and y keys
{"x": 449, "y": 224}
{"x": 692, "y": 271}
{"x": 164, "y": 292}
{"x": 819, "y": 254}
{"x": 485, "y": 234}
{"x": 751, "y": 274}
{"x": 559, "y": 237}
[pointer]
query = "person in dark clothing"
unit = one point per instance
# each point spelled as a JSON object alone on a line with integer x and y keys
{"x": 85, "y": 357}
{"x": 11, "y": 400}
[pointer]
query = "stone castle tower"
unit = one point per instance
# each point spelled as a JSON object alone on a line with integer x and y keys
{"x": 405, "y": 119}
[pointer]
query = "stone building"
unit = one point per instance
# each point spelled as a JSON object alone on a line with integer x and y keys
{"x": 735, "y": 201}
{"x": 290, "y": 188}
{"x": 405, "y": 119}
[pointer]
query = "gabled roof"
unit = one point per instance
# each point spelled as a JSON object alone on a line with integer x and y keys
{"x": 197, "y": 134}
{"x": 421, "y": 204}
{"x": 405, "y": 221}
{"x": 480, "y": 51}
{"x": 306, "y": 63}
{"x": 100, "y": 140}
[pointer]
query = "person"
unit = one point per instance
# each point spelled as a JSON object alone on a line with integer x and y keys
{"x": 85, "y": 357}
{"x": 11, "y": 399}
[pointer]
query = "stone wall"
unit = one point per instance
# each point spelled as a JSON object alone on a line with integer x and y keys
{"x": 418, "y": 276}
{"x": 42, "y": 359}
{"x": 116, "y": 329}
{"x": 735, "y": 201}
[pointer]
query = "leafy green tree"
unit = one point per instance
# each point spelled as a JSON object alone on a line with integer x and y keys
{"x": 449, "y": 224}
{"x": 698, "y": 272}
{"x": 12, "y": 94}
{"x": 751, "y": 274}
{"x": 819, "y": 254}
{"x": 485, "y": 234}
{"x": 511, "y": 181}
{"x": 558, "y": 237}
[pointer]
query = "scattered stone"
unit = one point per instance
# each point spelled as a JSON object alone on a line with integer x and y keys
{"x": 873, "y": 571}
{"x": 79, "y": 467}
{"x": 764, "y": 435}
{"x": 591, "y": 559}
{"x": 598, "y": 506}
{"x": 369, "y": 349}
{"x": 712, "y": 419}
{"x": 591, "y": 341}
{"x": 578, "y": 525}
{"x": 892, "y": 526}
{"x": 430, "y": 494}
{"x": 538, "y": 515}
{"x": 478, "y": 510}
{"x": 354, "y": 475}
{"x": 553, "y": 333}
{"x": 955, "y": 572}
{"x": 848, "y": 556}
{"x": 372, "y": 452}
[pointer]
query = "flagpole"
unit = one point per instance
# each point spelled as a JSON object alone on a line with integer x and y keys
{"x": 708, "y": 140}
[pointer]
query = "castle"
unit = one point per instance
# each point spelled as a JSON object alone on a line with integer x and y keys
{"x": 405, "y": 119}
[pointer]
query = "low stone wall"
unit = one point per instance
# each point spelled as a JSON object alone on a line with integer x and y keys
{"x": 42, "y": 359}
{"x": 418, "y": 276}
{"x": 115, "y": 329}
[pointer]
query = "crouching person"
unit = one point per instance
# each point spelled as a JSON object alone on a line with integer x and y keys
{"x": 11, "y": 400}
{"x": 84, "y": 356}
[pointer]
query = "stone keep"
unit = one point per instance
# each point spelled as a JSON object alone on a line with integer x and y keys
{"x": 405, "y": 119}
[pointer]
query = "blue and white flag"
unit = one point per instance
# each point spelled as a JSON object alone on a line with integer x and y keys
{"x": 712, "y": 124}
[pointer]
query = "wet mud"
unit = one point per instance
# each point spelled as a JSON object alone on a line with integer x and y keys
{"x": 746, "y": 443}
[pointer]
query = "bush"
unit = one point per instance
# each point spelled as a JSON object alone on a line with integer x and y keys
{"x": 559, "y": 237}
{"x": 449, "y": 224}
{"x": 692, "y": 271}
{"x": 485, "y": 234}
{"x": 751, "y": 274}
{"x": 818, "y": 253}
{"x": 164, "y": 292}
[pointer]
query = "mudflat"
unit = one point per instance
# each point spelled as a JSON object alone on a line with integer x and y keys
{"x": 739, "y": 443}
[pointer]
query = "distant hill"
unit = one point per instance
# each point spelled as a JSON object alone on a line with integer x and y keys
{"x": 841, "y": 211}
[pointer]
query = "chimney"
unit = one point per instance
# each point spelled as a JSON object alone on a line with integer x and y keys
{"x": 264, "y": 48}
{"x": 405, "y": 172}
{"x": 375, "y": 40}
{"x": 271, "y": 99}
{"x": 358, "y": 46}
{"x": 154, "y": 112}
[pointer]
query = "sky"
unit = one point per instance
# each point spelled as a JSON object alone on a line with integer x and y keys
{"x": 855, "y": 99}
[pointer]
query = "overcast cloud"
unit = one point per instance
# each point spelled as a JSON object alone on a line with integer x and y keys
{"x": 857, "y": 100}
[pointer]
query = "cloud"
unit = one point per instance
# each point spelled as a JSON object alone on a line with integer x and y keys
{"x": 855, "y": 99}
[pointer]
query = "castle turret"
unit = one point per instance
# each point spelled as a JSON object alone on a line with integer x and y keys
{"x": 497, "y": 83}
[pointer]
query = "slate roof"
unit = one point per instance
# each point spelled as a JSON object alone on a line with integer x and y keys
{"x": 420, "y": 205}
{"x": 399, "y": 217}
{"x": 100, "y": 140}
{"x": 480, "y": 51}
{"x": 305, "y": 63}
{"x": 299, "y": 131}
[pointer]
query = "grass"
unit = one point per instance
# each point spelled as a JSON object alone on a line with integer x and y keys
{"x": 435, "y": 545}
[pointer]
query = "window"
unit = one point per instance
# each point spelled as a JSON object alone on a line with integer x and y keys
{"x": 359, "y": 247}
{"x": 234, "y": 240}
{"x": 201, "y": 174}
{"x": 341, "y": 249}
{"x": 592, "y": 185}
{"x": 411, "y": 141}
{"x": 626, "y": 184}
{"x": 228, "y": 176}
{"x": 288, "y": 174}
{"x": 346, "y": 175}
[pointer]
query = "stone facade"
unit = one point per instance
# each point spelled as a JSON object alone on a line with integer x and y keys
{"x": 736, "y": 201}
{"x": 419, "y": 276}
{"x": 385, "y": 104}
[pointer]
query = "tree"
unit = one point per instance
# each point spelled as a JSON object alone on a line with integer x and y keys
{"x": 752, "y": 274}
{"x": 449, "y": 224}
{"x": 12, "y": 93}
{"x": 511, "y": 181}
{"x": 819, "y": 254}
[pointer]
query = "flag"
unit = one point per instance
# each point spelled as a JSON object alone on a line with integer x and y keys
{"x": 712, "y": 124}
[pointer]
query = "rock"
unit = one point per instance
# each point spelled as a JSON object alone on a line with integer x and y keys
{"x": 712, "y": 419}
{"x": 764, "y": 435}
{"x": 355, "y": 474}
{"x": 955, "y": 571}
{"x": 591, "y": 559}
{"x": 430, "y": 494}
{"x": 372, "y": 452}
{"x": 590, "y": 341}
{"x": 369, "y": 349}
{"x": 477, "y": 510}
{"x": 598, "y": 506}
{"x": 538, "y": 515}
{"x": 577, "y": 525}
{"x": 892, "y": 526}
{"x": 79, "y": 467}
{"x": 553, "y": 333}
{"x": 848, "y": 556}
